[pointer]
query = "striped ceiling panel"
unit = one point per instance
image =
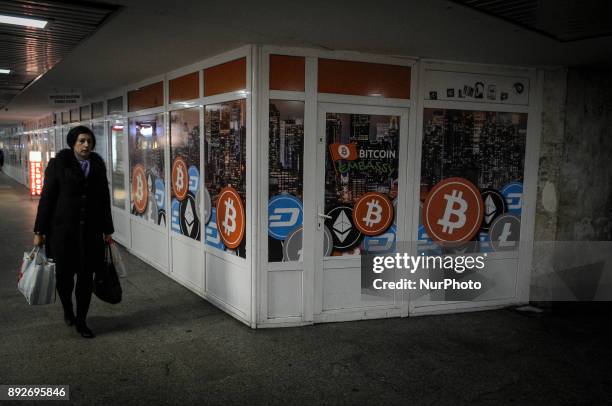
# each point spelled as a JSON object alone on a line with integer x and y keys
{"x": 31, "y": 52}
{"x": 563, "y": 20}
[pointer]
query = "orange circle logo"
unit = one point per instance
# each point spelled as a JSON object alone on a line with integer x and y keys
{"x": 180, "y": 178}
{"x": 140, "y": 191}
{"x": 453, "y": 211}
{"x": 230, "y": 217}
{"x": 373, "y": 213}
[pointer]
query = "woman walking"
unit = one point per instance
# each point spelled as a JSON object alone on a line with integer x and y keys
{"x": 74, "y": 221}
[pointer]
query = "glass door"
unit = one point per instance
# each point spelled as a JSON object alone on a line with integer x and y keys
{"x": 361, "y": 184}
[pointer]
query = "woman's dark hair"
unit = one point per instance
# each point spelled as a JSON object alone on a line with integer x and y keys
{"x": 73, "y": 134}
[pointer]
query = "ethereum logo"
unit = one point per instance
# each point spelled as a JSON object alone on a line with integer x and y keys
{"x": 490, "y": 209}
{"x": 342, "y": 226}
{"x": 189, "y": 217}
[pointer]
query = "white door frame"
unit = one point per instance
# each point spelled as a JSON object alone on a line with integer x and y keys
{"x": 404, "y": 208}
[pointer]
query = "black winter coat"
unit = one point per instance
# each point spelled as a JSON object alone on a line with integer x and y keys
{"x": 74, "y": 212}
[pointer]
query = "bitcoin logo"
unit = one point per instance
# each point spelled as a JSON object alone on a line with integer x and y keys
{"x": 458, "y": 212}
{"x": 139, "y": 188}
{"x": 373, "y": 216}
{"x": 180, "y": 179}
{"x": 180, "y": 184}
{"x": 344, "y": 151}
{"x": 230, "y": 217}
{"x": 140, "y": 192}
{"x": 373, "y": 213}
{"x": 453, "y": 212}
{"x": 229, "y": 224}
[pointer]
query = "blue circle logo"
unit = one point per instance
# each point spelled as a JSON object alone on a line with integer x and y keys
{"x": 194, "y": 179}
{"x": 160, "y": 193}
{"x": 175, "y": 223}
{"x": 285, "y": 214}
{"x": 383, "y": 243}
{"x": 513, "y": 193}
{"x": 213, "y": 238}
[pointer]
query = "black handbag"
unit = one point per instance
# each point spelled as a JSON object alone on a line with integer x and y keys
{"x": 106, "y": 281}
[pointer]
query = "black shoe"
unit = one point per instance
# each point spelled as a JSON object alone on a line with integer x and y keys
{"x": 69, "y": 319}
{"x": 84, "y": 331}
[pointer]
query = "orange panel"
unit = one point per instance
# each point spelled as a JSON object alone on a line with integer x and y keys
{"x": 185, "y": 87}
{"x": 287, "y": 72}
{"x": 227, "y": 77}
{"x": 146, "y": 97}
{"x": 364, "y": 79}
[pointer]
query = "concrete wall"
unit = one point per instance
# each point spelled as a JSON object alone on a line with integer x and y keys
{"x": 574, "y": 207}
{"x": 585, "y": 204}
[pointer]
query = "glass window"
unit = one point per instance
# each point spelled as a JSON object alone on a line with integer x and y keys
{"x": 118, "y": 163}
{"x": 286, "y": 180}
{"x": 185, "y": 171}
{"x": 58, "y": 139}
{"x": 101, "y": 141}
{"x": 147, "y": 179}
{"x": 97, "y": 109}
{"x": 361, "y": 170}
{"x": 225, "y": 175}
{"x": 471, "y": 180}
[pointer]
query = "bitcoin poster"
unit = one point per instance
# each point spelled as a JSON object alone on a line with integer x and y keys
{"x": 146, "y": 150}
{"x": 185, "y": 171}
{"x": 225, "y": 169}
{"x": 140, "y": 192}
{"x": 361, "y": 170}
{"x": 486, "y": 148}
{"x": 230, "y": 217}
{"x": 373, "y": 213}
{"x": 286, "y": 180}
{"x": 453, "y": 211}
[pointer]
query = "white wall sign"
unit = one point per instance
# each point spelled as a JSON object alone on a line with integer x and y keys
{"x": 65, "y": 99}
{"x": 475, "y": 87}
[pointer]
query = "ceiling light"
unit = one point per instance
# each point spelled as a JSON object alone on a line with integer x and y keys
{"x": 26, "y": 22}
{"x": 5, "y": 71}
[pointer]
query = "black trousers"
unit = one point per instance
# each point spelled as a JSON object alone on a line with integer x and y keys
{"x": 65, "y": 274}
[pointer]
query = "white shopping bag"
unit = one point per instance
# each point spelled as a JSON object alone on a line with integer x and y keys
{"x": 118, "y": 261}
{"x": 37, "y": 278}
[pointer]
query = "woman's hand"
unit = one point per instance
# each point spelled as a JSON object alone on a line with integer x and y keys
{"x": 108, "y": 238}
{"x": 39, "y": 240}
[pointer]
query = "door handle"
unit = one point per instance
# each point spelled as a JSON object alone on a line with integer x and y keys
{"x": 324, "y": 216}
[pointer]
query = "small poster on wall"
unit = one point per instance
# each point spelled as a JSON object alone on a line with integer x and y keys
{"x": 474, "y": 87}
